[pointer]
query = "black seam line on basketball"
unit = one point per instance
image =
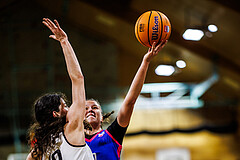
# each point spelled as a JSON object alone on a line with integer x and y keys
{"x": 148, "y": 29}
{"x": 159, "y": 41}
{"x": 137, "y": 31}
{"x": 165, "y": 36}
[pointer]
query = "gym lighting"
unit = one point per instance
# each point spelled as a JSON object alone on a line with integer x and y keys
{"x": 196, "y": 33}
{"x": 212, "y": 28}
{"x": 164, "y": 70}
{"x": 193, "y": 34}
{"x": 181, "y": 64}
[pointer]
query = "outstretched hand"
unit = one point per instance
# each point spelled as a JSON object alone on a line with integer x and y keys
{"x": 58, "y": 33}
{"x": 152, "y": 52}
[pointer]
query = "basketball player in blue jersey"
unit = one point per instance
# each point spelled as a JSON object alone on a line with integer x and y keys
{"x": 58, "y": 131}
{"x": 107, "y": 144}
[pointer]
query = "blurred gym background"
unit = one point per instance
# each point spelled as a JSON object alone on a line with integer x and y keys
{"x": 189, "y": 113}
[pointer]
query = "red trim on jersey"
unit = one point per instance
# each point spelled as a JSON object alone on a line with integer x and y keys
{"x": 119, "y": 151}
{"x": 120, "y": 146}
{"x": 89, "y": 140}
{"x": 112, "y": 137}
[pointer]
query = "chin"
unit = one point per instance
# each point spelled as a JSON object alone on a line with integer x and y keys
{"x": 92, "y": 120}
{"x": 89, "y": 119}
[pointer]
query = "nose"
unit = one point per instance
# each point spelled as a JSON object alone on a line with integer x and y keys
{"x": 66, "y": 108}
{"x": 88, "y": 109}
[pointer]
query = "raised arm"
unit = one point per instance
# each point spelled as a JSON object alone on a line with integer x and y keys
{"x": 76, "y": 112}
{"x": 126, "y": 109}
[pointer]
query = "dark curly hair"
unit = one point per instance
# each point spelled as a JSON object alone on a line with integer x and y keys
{"x": 44, "y": 132}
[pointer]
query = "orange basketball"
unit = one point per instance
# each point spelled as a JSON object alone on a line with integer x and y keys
{"x": 152, "y": 26}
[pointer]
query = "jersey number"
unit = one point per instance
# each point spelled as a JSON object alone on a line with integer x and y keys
{"x": 95, "y": 156}
{"x": 56, "y": 155}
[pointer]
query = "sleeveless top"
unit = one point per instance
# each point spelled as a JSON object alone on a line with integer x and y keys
{"x": 67, "y": 151}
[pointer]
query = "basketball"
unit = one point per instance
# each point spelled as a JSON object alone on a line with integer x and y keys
{"x": 152, "y": 26}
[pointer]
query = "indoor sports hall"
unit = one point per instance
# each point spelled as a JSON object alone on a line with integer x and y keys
{"x": 189, "y": 105}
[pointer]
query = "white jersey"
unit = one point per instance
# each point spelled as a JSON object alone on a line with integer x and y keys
{"x": 68, "y": 151}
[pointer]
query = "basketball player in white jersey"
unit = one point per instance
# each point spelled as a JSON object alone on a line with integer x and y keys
{"x": 58, "y": 131}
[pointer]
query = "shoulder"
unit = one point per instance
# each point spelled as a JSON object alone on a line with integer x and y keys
{"x": 116, "y": 131}
{"x": 116, "y": 127}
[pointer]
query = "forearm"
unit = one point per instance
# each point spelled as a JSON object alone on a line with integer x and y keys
{"x": 73, "y": 67}
{"x": 75, "y": 74}
{"x": 125, "y": 112}
{"x": 124, "y": 115}
{"x": 137, "y": 83}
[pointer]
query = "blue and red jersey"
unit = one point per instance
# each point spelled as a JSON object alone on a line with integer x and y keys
{"x": 107, "y": 144}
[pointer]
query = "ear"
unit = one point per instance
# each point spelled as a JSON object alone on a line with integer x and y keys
{"x": 55, "y": 114}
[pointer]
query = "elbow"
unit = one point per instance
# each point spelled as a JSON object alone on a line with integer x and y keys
{"x": 77, "y": 77}
{"x": 131, "y": 102}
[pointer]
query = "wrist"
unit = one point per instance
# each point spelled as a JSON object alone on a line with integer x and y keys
{"x": 146, "y": 59}
{"x": 145, "y": 63}
{"x": 63, "y": 40}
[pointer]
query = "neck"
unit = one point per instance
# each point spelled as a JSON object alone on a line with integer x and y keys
{"x": 95, "y": 129}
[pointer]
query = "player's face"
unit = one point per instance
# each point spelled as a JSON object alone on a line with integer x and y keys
{"x": 63, "y": 108}
{"x": 93, "y": 112}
